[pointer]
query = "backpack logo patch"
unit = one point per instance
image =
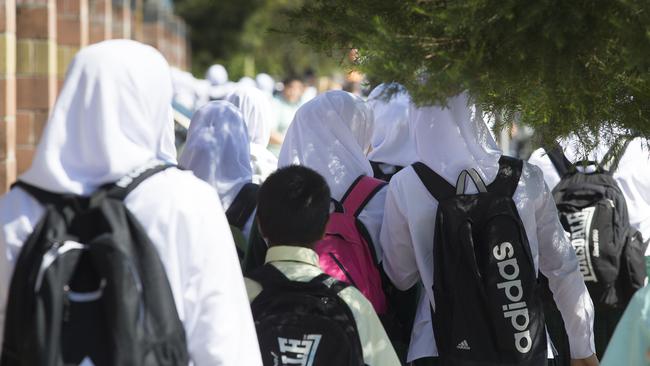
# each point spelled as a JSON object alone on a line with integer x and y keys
{"x": 300, "y": 352}
{"x": 579, "y": 226}
{"x": 463, "y": 345}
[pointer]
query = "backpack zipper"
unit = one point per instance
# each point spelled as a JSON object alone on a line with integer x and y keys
{"x": 342, "y": 267}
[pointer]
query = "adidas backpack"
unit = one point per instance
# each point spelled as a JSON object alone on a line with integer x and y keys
{"x": 346, "y": 252}
{"x": 304, "y": 323}
{"x": 487, "y": 309}
{"x": 88, "y": 285}
{"x": 238, "y": 214}
{"x": 593, "y": 211}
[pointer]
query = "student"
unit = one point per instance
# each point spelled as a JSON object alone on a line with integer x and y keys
{"x": 216, "y": 151}
{"x": 112, "y": 116}
{"x": 293, "y": 209}
{"x": 285, "y": 105}
{"x": 630, "y": 344}
{"x": 392, "y": 144}
{"x": 331, "y": 134}
{"x": 258, "y": 115}
{"x": 449, "y": 140}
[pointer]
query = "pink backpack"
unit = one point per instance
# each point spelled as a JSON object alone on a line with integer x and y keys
{"x": 344, "y": 252}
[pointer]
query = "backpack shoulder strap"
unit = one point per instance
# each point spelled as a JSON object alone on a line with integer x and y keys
{"x": 268, "y": 276}
{"x": 614, "y": 155}
{"x": 508, "y": 176}
{"x": 120, "y": 189}
{"x": 42, "y": 196}
{"x": 242, "y": 207}
{"x": 360, "y": 193}
{"x": 437, "y": 186}
{"x": 560, "y": 162}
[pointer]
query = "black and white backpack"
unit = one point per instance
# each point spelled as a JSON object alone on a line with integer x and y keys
{"x": 304, "y": 323}
{"x": 88, "y": 285}
{"x": 487, "y": 308}
{"x": 594, "y": 213}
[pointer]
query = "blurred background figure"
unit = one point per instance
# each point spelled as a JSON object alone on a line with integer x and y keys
{"x": 265, "y": 83}
{"x": 285, "y": 105}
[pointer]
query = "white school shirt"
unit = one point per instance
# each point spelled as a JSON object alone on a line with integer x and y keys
{"x": 184, "y": 220}
{"x": 407, "y": 241}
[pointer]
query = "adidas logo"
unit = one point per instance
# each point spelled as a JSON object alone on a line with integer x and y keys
{"x": 463, "y": 345}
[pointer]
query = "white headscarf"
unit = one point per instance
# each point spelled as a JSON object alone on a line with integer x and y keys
{"x": 330, "y": 134}
{"x": 256, "y": 110}
{"x": 392, "y": 143}
{"x": 265, "y": 83}
{"x": 217, "y": 75}
{"x": 108, "y": 119}
{"x": 247, "y": 82}
{"x": 452, "y": 138}
{"x": 217, "y": 149}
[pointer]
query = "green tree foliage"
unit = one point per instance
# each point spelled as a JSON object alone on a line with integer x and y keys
{"x": 244, "y": 36}
{"x": 561, "y": 66}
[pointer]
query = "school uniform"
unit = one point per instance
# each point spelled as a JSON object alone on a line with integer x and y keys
{"x": 112, "y": 116}
{"x": 255, "y": 107}
{"x": 449, "y": 140}
{"x": 301, "y": 264}
{"x": 217, "y": 151}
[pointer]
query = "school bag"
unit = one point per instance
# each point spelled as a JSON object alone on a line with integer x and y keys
{"x": 594, "y": 213}
{"x": 239, "y": 213}
{"x": 88, "y": 285}
{"x": 487, "y": 309}
{"x": 346, "y": 252}
{"x": 304, "y": 323}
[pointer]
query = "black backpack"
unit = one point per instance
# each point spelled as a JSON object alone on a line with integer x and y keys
{"x": 488, "y": 311}
{"x": 88, "y": 284}
{"x": 593, "y": 211}
{"x": 240, "y": 210}
{"x": 304, "y": 323}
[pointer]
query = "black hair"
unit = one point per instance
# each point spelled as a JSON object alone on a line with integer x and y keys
{"x": 293, "y": 206}
{"x": 290, "y": 79}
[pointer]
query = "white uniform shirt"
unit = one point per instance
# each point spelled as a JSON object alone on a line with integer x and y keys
{"x": 407, "y": 241}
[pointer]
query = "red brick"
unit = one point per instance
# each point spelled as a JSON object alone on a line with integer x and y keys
{"x": 34, "y": 92}
{"x": 40, "y": 120}
{"x": 68, "y": 32}
{"x": 24, "y": 128}
{"x": 32, "y": 22}
{"x": 24, "y": 156}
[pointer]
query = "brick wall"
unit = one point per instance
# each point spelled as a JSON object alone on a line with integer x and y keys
{"x": 39, "y": 38}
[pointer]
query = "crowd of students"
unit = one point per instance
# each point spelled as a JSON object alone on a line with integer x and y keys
{"x": 361, "y": 244}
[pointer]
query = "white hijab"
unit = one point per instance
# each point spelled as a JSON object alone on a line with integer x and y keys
{"x": 217, "y": 75}
{"x": 217, "y": 149}
{"x": 256, "y": 110}
{"x": 108, "y": 119}
{"x": 452, "y": 138}
{"x": 392, "y": 143}
{"x": 330, "y": 134}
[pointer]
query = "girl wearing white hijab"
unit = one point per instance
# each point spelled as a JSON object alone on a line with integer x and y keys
{"x": 114, "y": 115}
{"x": 258, "y": 115}
{"x": 392, "y": 144}
{"x": 449, "y": 140}
{"x": 331, "y": 134}
{"x": 217, "y": 151}
{"x": 632, "y": 175}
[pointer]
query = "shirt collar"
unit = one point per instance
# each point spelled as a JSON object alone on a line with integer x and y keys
{"x": 285, "y": 253}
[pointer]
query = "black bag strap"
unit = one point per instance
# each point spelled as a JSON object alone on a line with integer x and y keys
{"x": 120, "y": 189}
{"x": 268, "y": 276}
{"x": 242, "y": 207}
{"x": 437, "y": 186}
{"x": 562, "y": 165}
{"x": 507, "y": 179}
{"x": 44, "y": 197}
{"x": 614, "y": 155}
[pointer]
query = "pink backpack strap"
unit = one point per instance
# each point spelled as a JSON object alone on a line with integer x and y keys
{"x": 360, "y": 193}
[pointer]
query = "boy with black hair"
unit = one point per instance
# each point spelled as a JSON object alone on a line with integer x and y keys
{"x": 302, "y": 314}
